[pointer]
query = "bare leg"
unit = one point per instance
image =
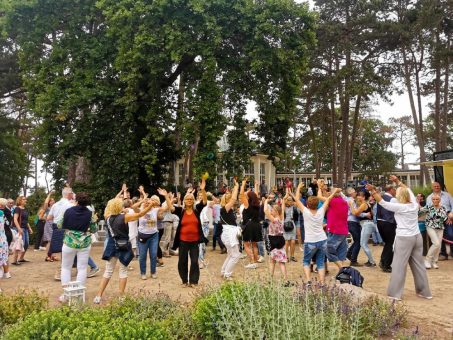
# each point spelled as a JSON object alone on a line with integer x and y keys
{"x": 339, "y": 264}
{"x": 299, "y": 236}
{"x": 292, "y": 247}
{"x": 287, "y": 243}
{"x": 272, "y": 267}
{"x": 123, "y": 285}
{"x": 249, "y": 251}
{"x": 283, "y": 270}
{"x": 255, "y": 252}
{"x": 307, "y": 271}
{"x": 5, "y": 268}
{"x": 322, "y": 275}
{"x": 103, "y": 285}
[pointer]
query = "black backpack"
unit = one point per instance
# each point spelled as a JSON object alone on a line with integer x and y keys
{"x": 350, "y": 275}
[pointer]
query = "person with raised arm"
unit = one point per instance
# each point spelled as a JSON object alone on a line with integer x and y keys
{"x": 189, "y": 235}
{"x": 118, "y": 229}
{"x": 230, "y": 231}
{"x": 315, "y": 246}
{"x": 252, "y": 233}
{"x": 408, "y": 246}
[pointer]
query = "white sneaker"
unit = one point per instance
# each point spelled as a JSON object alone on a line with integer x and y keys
{"x": 260, "y": 260}
{"x": 42, "y": 248}
{"x": 427, "y": 264}
{"x": 250, "y": 266}
{"x": 435, "y": 266}
{"x": 154, "y": 276}
{"x": 97, "y": 300}
{"x": 93, "y": 272}
{"x": 7, "y": 275}
{"x": 143, "y": 277}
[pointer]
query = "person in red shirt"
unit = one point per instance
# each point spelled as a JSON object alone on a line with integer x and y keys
{"x": 189, "y": 235}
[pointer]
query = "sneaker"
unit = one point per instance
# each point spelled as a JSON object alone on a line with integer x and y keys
{"x": 243, "y": 256}
{"x": 369, "y": 264}
{"x": 23, "y": 261}
{"x": 394, "y": 298}
{"x": 425, "y": 297}
{"x": 435, "y": 266}
{"x": 260, "y": 259}
{"x": 42, "y": 248}
{"x": 355, "y": 264}
{"x": 7, "y": 275}
{"x": 154, "y": 276}
{"x": 293, "y": 259}
{"x": 17, "y": 263}
{"x": 174, "y": 253}
{"x": 57, "y": 277}
{"x": 97, "y": 300}
{"x": 428, "y": 264}
{"x": 387, "y": 270}
{"x": 250, "y": 266}
{"x": 93, "y": 272}
{"x": 228, "y": 278}
{"x": 35, "y": 249}
{"x": 144, "y": 277}
{"x": 159, "y": 264}
{"x": 223, "y": 251}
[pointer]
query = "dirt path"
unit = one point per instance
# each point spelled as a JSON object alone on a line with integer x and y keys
{"x": 434, "y": 318}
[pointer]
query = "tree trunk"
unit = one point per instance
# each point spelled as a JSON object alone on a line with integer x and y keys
{"x": 355, "y": 126}
{"x": 437, "y": 116}
{"x": 333, "y": 120}
{"x": 417, "y": 125}
{"x": 314, "y": 143}
{"x": 178, "y": 128}
{"x": 444, "y": 113}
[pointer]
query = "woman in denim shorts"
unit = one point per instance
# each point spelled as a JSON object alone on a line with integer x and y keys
{"x": 315, "y": 246}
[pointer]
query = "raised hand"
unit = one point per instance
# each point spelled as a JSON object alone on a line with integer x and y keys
{"x": 370, "y": 187}
{"x": 162, "y": 192}
{"x": 393, "y": 178}
{"x": 203, "y": 183}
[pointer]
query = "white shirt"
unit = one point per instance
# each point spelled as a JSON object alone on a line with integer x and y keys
{"x": 58, "y": 209}
{"x": 406, "y": 216}
{"x": 206, "y": 216}
{"x": 313, "y": 224}
{"x": 133, "y": 226}
{"x": 147, "y": 224}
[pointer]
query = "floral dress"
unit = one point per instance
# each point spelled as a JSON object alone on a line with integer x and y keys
{"x": 276, "y": 229}
{"x": 4, "y": 251}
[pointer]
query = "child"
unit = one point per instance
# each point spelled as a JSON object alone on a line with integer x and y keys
{"x": 275, "y": 215}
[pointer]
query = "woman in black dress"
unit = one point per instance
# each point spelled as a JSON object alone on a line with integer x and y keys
{"x": 250, "y": 219}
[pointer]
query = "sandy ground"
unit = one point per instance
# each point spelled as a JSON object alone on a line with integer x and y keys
{"x": 434, "y": 318}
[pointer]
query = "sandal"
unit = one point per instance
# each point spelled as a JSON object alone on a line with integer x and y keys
{"x": 54, "y": 259}
{"x": 49, "y": 259}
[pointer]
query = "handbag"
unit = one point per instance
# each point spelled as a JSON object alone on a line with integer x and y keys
{"x": 120, "y": 243}
{"x": 288, "y": 226}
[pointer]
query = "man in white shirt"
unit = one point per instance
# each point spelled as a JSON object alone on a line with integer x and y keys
{"x": 55, "y": 215}
{"x": 446, "y": 200}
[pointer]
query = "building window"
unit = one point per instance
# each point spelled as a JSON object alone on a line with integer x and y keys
{"x": 250, "y": 170}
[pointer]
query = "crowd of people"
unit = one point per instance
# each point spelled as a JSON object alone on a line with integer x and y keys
{"x": 246, "y": 222}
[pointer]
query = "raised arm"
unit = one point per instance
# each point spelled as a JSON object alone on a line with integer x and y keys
{"x": 328, "y": 199}
{"x": 234, "y": 197}
{"x": 136, "y": 216}
{"x": 242, "y": 196}
{"x": 257, "y": 188}
{"x": 297, "y": 198}
{"x": 267, "y": 213}
{"x": 357, "y": 211}
{"x": 204, "y": 196}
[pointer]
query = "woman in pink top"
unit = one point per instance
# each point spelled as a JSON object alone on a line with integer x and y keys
{"x": 337, "y": 229}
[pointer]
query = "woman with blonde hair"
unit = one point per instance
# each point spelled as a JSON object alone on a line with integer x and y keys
{"x": 230, "y": 231}
{"x": 408, "y": 245}
{"x": 118, "y": 246}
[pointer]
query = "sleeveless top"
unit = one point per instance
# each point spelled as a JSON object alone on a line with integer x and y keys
{"x": 227, "y": 217}
{"x": 367, "y": 210}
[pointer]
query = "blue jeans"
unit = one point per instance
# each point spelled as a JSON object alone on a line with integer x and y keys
{"x": 91, "y": 263}
{"x": 355, "y": 230}
{"x": 316, "y": 250}
{"x": 150, "y": 245}
{"x": 377, "y": 239}
{"x": 367, "y": 229}
{"x": 337, "y": 246}
{"x": 25, "y": 238}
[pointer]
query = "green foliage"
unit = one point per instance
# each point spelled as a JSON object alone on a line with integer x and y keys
{"x": 255, "y": 310}
{"x": 20, "y": 304}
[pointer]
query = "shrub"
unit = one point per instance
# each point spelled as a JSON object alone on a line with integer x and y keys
{"x": 14, "y": 307}
{"x": 87, "y": 323}
{"x": 255, "y": 310}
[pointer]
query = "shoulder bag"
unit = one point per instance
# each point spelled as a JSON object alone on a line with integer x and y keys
{"x": 120, "y": 243}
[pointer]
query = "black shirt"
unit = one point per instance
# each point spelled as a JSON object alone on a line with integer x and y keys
{"x": 227, "y": 217}
{"x": 77, "y": 218}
